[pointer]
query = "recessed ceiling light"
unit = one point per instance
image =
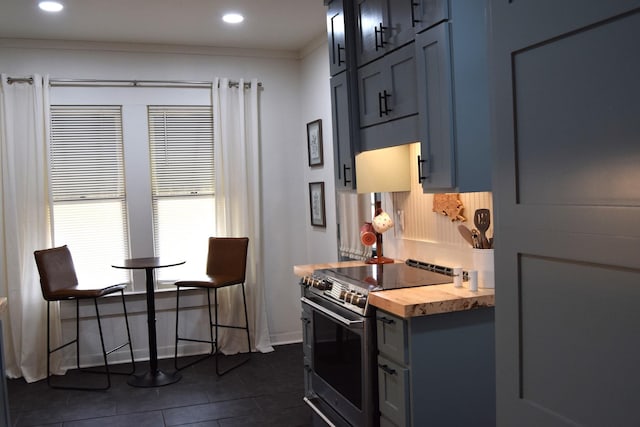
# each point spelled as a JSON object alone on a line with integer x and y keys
{"x": 50, "y": 6}
{"x": 233, "y": 18}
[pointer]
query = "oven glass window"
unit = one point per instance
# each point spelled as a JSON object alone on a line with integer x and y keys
{"x": 337, "y": 357}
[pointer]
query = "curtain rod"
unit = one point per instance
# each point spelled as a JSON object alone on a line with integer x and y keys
{"x": 127, "y": 83}
{"x": 141, "y": 83}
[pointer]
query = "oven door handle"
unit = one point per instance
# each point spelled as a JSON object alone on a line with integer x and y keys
{"x": 318, "y": 411}
{"x": 334, "y": 316}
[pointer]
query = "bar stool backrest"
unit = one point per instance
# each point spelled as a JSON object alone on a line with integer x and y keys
{"x": 227, "y": 257}
{"x": 57, "y": 271}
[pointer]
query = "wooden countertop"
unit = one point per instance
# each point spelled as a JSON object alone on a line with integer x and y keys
{"x": 418, "y": 301}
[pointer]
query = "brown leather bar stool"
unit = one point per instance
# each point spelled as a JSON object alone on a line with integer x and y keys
{"x": 59, "y": 282}
{"x": 226, "y": 266}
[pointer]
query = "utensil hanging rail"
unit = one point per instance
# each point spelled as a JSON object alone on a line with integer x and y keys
{"x": 127, "y": 83}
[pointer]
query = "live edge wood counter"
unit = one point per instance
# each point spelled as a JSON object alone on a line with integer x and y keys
{"x": 418, "y": 301}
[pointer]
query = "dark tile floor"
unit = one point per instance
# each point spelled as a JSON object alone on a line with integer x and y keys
{"x": 266, "y": 391}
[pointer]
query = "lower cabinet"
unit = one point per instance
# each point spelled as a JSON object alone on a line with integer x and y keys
{"x": 393, "y": 391}
{"x": 437, "y": 370}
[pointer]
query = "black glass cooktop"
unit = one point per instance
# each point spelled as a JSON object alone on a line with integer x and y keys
{"x": 378, "y": 277}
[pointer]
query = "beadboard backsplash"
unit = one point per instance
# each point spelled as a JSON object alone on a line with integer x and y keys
{"x": 415, "y": 219}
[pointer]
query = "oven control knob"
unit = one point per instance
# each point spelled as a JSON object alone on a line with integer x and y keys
{"x": 353, "y": 297}
{"x": 324, "y": 285}
{"x": 360, "y": 301}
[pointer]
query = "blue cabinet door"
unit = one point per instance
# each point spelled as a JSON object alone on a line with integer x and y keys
{"x": 433, "y": 62}
{"x": 336, "y": 35}
{"x": 345, "y": 135}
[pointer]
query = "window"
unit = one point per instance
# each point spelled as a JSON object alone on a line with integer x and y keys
{"x": 132, "y": 171}
{"x": 88, "y": 189}
{"x": 182, "y": 185}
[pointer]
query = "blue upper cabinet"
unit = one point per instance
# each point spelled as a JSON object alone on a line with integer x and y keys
{"x": 344, "y": 98}
{"x": 416, "y": 70}
{"x": 336, "y": 35}
{"x": 388, "y": 103}
{"x": 427, "y": 13}
{"x": 451, "y": 61}
{"x": 381, "y": 26}
{"x": 345, "y": 132}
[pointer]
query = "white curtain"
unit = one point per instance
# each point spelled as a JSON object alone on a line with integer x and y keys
{"x": 23, "y": 225}
{"x": 237, "y": 172}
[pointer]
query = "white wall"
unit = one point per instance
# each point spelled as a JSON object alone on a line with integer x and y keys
{"x": 316, "y": 104}
{"x": 295, "y": 91}
{"x": 320, "y": 244}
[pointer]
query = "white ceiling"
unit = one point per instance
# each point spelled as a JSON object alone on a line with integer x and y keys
{"x": 269, "y": 24}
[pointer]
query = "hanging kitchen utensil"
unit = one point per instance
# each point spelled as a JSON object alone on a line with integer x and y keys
{"x": 482, "y": 220}
{"x": 466, "y": 234}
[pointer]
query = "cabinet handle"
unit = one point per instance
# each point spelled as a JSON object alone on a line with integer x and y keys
{"x": 386, "y": 96}
{"x": 387, "y": 369}
{"x": 421, "y": 177}
{"x": 340, "y": 49}
{"x": 413, "y": 12}
{"x": 386, "y": 320}
{"x": 344, "y": 173}
{"x": 383, "y": 97}
{"x": 380, "y": 32}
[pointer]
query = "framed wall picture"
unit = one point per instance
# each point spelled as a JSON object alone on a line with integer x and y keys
{"x": 316, "y": 203}
{"x": 314, "y": 143}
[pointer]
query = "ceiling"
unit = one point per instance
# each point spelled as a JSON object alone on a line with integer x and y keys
{"x": 269, "y": 24}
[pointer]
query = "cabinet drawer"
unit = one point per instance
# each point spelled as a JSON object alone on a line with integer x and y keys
{"x": 392, "y": 336}
{"x": 393, "y": 391}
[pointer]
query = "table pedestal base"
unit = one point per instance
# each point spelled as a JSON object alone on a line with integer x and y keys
{"x": 156, "y": 379}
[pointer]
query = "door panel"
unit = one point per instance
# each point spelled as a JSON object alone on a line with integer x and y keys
{"x": 343, "y": 136}
{"x": 336, "y": 33}
{"x": 435, "y": 94}
{"x": 427, "y": 13}
{"x": 567, "y": 218}
{"x": 575, "y": 339}
{"x": 399, "y": 24}
{"x": 402, "y": 77}
{"x": 587, "y": 106}
{"x": 372, "y": 79}
{"x": 370, "y": 16}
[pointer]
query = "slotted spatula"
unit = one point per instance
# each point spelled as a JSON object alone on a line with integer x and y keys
{"x": 482, "y": 220}
{"x": 466, "y": 234}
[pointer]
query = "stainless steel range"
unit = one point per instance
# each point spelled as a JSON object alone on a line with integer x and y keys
{"x": 340, "y": 340}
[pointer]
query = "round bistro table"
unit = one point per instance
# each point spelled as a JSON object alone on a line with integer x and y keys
{"x": 154, "y": 377}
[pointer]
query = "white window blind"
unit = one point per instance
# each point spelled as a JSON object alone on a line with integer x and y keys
{"x": 87, "y": 187}
{"x": 183, "y": 183}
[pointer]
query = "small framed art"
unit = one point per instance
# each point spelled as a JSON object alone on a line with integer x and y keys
{"x": 316, "y": 204}
{"x": 314, "y": 143}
